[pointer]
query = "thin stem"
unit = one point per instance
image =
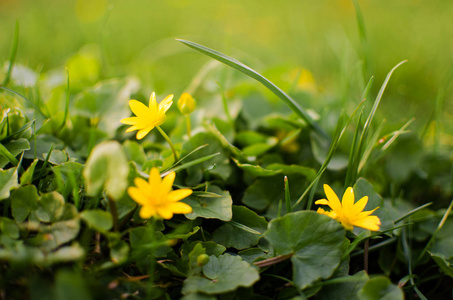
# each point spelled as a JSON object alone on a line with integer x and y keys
{"x": 114, "y": 212}
{"x": 169, "y": 142}
{"x": 365, "y": 255}
{"x": 272, "y": 261}
{"x": 188, "y": 126}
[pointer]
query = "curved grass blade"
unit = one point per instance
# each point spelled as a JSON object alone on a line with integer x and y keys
{"x": 5, "y": 152}
{"x": 22, "y": 129}
{"x": 12, "y": 57}
{"x": 260, "y": 78}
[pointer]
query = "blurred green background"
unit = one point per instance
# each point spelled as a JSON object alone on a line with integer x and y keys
{"x": 136, "y": 37}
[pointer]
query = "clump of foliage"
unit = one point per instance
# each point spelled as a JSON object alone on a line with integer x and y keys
{"x": 83, "y": 215}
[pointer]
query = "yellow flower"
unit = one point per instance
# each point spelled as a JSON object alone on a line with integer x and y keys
{"x": 186, "y": 104}
{"x": 147, "y": 117}
{"x": 348, "y": 213}
{"x": 157, "y": 198}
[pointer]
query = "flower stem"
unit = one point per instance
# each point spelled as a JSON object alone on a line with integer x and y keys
{"x": 188, "y": 126}
{"x": 114, "y": 212}
{"x": 169, "y": 142}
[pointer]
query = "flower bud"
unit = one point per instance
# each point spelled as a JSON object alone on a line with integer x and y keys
{"x": 202, "y": 259}
{"x": 186, "y": 104}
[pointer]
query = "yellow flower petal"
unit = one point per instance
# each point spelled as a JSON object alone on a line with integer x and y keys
{"x": 164, "y": 212}
{"x": 138, "y": 108}
{"x": 347, "y": 202}
{"x": 165, "y": 104}
{"x": 153, "y": 102}
{"x": 167, "y": 183}
{"x": 137, "y": 195}
{"x": 333, "y": 198}
{"x": 129, "y": 121}
{"x": 360, "y": 205}
{"x": 180, "y": 208}
{"x": 180, "y": 194}
{"x": 371, "y": 223}
{"x": 154, "y": 179}
{"x": 143, "y": 132}
{"x": 132, "y": 128}
{"x": 147, "y": 212}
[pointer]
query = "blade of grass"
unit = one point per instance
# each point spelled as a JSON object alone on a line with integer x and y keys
{"x": 66, "y": 105}
{"x": 5, "y": 152}
{"x": 367, "y": 125}
{"x": 396, "y": 134}
{"x": 374, "y": 140}
{"x": 339, "y": 131}
{"x": 12, "y": 57}
{"x": 408, "y": 256}
{"x": 413, "y": 212}
{"x": 22, "y": 129}
{"x": 260, "y": 78}
{"x": 189, "y": 164}
{"x": 439, "y": 227}
{"x": 351, "y": 175}
{"x": 36, "y": 108}
{"x": 244, "y": 227}
{"x": 366, "y": 54}
{"x": 287, "y": 196}
{"x": 353, "y": 153}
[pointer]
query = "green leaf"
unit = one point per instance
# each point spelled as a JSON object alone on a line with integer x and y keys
{"x": 27, "y": 176}
{"x": 65, "y": 254}
{"x": 23, "y": 201}
{"x": 363, "y": 188}
{"x": 68, "y": 178}
{"x": 145, "y": 238}
{"x": 193, "y": 257}
{"x": 119, "y": 251}
{"x": 70, "y": 285}
{"x": 58, "y": 234}
{"x": 343, "y": 288}
{"x": 97, "y": 219}
{"x": 9, "y": 227}
{"x": 315, "y": 240}
{"x": 223, "y": 274}
{"x": 8, "y": 181}
{"x": 50, "y": 207}
{"x": 260, "y": 194}
{"x": 233, "y": 236}
{"x": 379, "y": 288}
{"x": 217, "y": 166}
{"x": 106, "y": 102}
{"x": 309, "y": 173}
{"x": 134, "y": 152}
{"x": 211, "y": 208}
{"x": 107, "y": 168}
{"x": 255, "y": 170}
{"x": 446, "y": 265}
{"x": 260, "y": 78}
{"x": 260, "y": 148}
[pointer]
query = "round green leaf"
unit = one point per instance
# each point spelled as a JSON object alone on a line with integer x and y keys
{"x": 237, "y": 237}
{"x": 8, "y": 181}
{"x": 315, "y": 240}
{"x": 380, "y": 288}
{"x": 107, "y": 168}
{"x": 23, "y": 201}
{"x": 211, "y": 208}
{"x": 98, "y": 219}
{"x": 223, "y": 274}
